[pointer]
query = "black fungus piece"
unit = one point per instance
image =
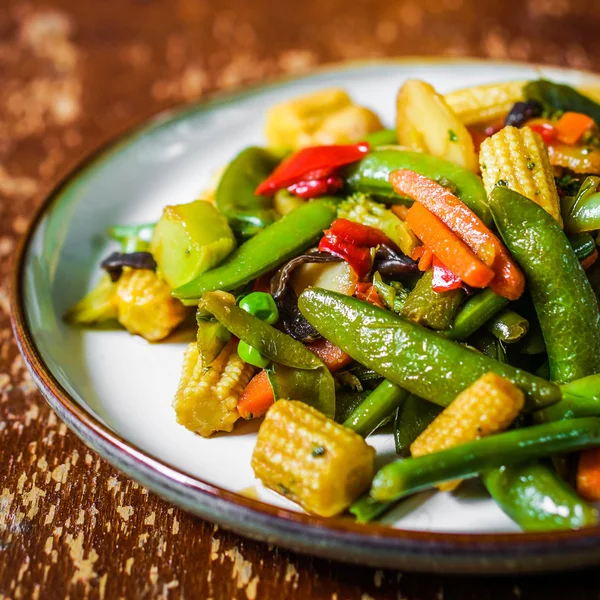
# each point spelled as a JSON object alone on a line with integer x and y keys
{"x": 114, "y": 263}
{"x": 392, "y": 264}
{"x": 292, "y": 320}
{"x": 522, "y": 112}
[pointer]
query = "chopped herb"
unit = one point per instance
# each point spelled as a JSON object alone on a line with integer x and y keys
{"x": 483, "y": 167}
{"x": 530, "y": 165}
{"x": 502, "y": 183}
{"x": 585, "y": 151}
{"x": 452, "y": 135}
{"x": 318, "y": 451}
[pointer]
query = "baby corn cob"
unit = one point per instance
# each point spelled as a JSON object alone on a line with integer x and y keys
{"x": 487, "y": 406}
{"x": 206, "y": 399}
{"x": 310, "y": 459}
{"x": 518, "y": 158}
{"x": 145, "y": 305}
{"x": 485, "y": 103}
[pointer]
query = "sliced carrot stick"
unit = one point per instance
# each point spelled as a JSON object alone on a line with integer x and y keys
{"x": 588, "y": 474}
{"x": 333, "y": 357}
{"x": 571, "y": 126}
{"x": 444, "y": 244}
{"x": 587, "y": 262}
{"x": 256, "y": 398}
{"x": 508, "y": 279}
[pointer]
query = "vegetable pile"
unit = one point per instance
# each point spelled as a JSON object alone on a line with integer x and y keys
{"x": 437, "y": 280}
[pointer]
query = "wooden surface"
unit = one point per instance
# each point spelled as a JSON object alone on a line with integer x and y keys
{"x": 72, "y": 74}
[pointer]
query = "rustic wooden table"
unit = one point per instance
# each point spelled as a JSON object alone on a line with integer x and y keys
{"x": 74, "y": 74}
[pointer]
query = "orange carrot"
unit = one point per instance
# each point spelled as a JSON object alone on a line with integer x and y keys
{"x": 256, "y": 398}
{"x": 333, "y": 357}
{"x": 587, "y": 262}
{"x": 588, "y": 474}
{"x": 508, "y": 279}
{"x": 446, "y": 246}
{"x": 571, "y": 126}
{"x": 424, "y": 255}
{"x": 400, "y": 210}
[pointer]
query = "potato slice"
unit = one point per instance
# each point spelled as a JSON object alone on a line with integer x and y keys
{"x": 425, "y": 122}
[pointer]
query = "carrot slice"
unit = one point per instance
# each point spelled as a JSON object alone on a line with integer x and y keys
{"x": 588, "y": 474}
{"x": 571, "y": 126}
{"x": 587, "y": 262}
{"x": 425, "y": 257}
{"x": 333, "y": 357}
{"x": 257, "y": 397}
{"x": 508, "y": 279}
{"x": 444, "y": 244}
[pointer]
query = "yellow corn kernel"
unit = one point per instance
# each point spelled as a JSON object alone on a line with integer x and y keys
{"x": 519, "y": 158}
{"x": 487, "y": 406}
{"x": 314, "y": 461}
{"x": 485, "y": 103}
{"x": 324, "y": 117}
{"x": 145, "y": 305}
{"x": 207, "y": 396}
{"x": 96, "y": 306}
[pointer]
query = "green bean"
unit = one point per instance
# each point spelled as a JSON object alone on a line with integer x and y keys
{"x": 476, "y": 311}
{"x": 385, "y": 137}
{"x": 272, "y": 246}
{"x": 508, "y": 326}
{"x": 346, "y": 401}
{"x": 404, "y": 477}
{"x": 367, "y": 509}
{"x": 379, "y": 405}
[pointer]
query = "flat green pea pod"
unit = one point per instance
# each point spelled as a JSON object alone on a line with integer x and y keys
{"x": 564, "y": 301}
{"x": 537, "y": 499}
{"x": 384, "y": 137}
{"x": 561, "y": 97}
{"x": 429, "y": 308}
{"x": 371, "y": 176}
{"x": 300, "y": 374}
{"x": 246, "y": 212}
{"x": 404, "y": 477}
{"x": 274, "y": 245}
{"x": 415, "y": 358}
{"x": 581, "y": 398}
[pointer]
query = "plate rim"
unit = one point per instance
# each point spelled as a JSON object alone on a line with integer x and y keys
{"x": 384, "y": 546}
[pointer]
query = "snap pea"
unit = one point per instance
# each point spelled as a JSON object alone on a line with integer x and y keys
{"x": 508, "y": 326}
{"x": 429, "y": 308}
{"x": 475, "y": 312}
{"x": 537, "y": 499}
{"x": 412, "y": 419}
{"x": 246, "y": 212}
{"x": 407, "y": 476}
{"x": 276, "y": 244}
{"x": 385, "y": 137}
{"x": 561, "y": 97}
{"x": 298, "y": 373}
{"x": 582, "y": 213}
{"x": 581, "y": 398}
{"x": 564, "y": 301}
{"x": 415, "y": 358}
{"x": 376, "y": 409}
{"x": 371, "y": 176}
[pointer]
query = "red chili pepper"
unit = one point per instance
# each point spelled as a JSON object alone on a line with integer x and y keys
{"x": 546, "y": 130}
{"x": 313, "y": 187}
{"x": 295, "y": 168}
{"x": 357, "y": 234}
{"x": 443, "y": 278}
{"x": 358, "y": 258}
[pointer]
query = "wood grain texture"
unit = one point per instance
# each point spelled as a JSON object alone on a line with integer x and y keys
{"x": 74, "y": 74}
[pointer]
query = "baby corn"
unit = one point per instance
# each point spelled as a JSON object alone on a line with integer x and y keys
{"x": 487, "y": 406}
{"x": 310, "y": 459}
{"x": 145, "y": 305}
{"x": 518, "y": 158}
{"x": 206, "y": 399}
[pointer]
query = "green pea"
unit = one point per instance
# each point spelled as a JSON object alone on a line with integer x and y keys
{"x": 262, "y": 306}
{"x": 252, "y": 356}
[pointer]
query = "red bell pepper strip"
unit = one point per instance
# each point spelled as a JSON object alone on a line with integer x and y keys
{"x": 545, "y": 129}
{"x": 311, "y": 187}
{"x": 358, "y": 258}
{"x": 357, "y": 234}
{"x": 508, "y": 279}
{"x": 295, "y": 168}
{"x": 443, "y": 278}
